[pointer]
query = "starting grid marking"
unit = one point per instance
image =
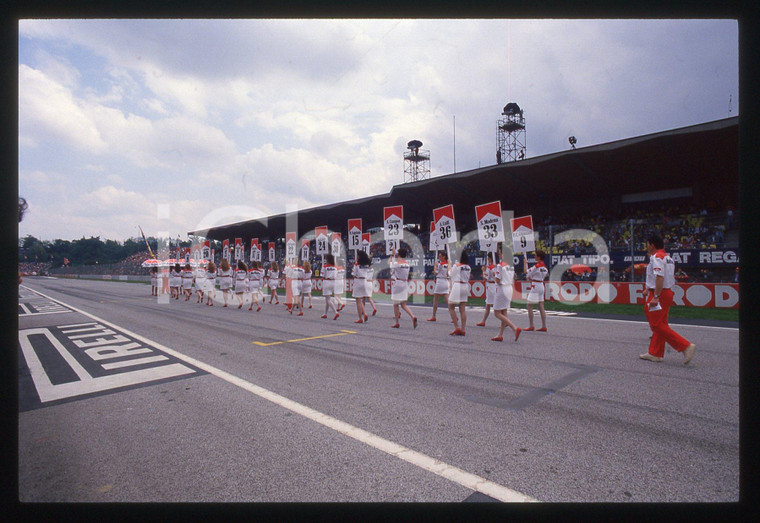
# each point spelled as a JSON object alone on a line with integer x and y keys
{"x": 39, "y": 309}
{"x": 343, "y": 332}
{"x": 68, "y": 362}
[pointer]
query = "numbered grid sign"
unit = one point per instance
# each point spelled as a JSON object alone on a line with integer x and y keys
{"x": 226, "y": 250}
{"x": 391, "y": 245}
{"x": 304, "y": 250}
{"x": 320, "y": 235}
{"x": 271, "y": 252}
{"x": 393, "y": 222}
{"x": 365, "y": 242}
{"x": 435, "y": 239}
{"x": 290, "y": 246}
{"x": 186, "y": 257}
{"x": 206, "y": 252}
{"x": 255, "y": 250}
{"x": 522, "y": 234}
{"x": 335, "y": 244}
{"x": 196, "y": 253}
{"x": 355, "y": 234}
{"x": 443, "y": 217}
{"x": 490, "y": 223}
{"x": 238, "y": 249}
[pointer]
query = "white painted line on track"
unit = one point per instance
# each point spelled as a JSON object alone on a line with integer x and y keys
{"x": 444, "y": 470}
{"x": 645, "y": 323}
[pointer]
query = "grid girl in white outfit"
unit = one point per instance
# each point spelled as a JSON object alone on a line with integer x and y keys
{"x": 255, "y": 282}
{"x": 273, "y": 281}
{"x": 442, "y": 287}
{"x": 360, "y": 272}
{"x": 306, "y": 284}
{"x": 329, "y": 273}
{"x": 210, "y": 283}
{"x": 225, "y": 279}
{"x": 400, "y": 286}
{"x": 460, "y": 291}
{"x": 241, "y": 282}
{"x": 504, "y": 276}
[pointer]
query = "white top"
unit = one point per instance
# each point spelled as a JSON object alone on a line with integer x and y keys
{"x": 661, "y": 264}
{"x": 399, "y": 270}
{"x": 504, "y": 274}
{"x": 329, "y": 272}
{"x": 360, "y": 273}
{"x": 225, "y": 278}
{"x": 460, "y": 273}
{"x": 443, "y": 271}
{"x": 538, "y": 272}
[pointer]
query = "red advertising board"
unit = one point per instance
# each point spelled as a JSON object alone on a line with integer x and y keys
{"x": 706, "y": 295}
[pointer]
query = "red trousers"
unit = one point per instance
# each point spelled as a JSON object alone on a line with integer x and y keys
{"x": 661, "y": 331}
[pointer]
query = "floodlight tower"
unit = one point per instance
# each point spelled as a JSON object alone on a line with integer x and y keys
{"x": 416, "y": 162}
{"x": 510, "y": 134}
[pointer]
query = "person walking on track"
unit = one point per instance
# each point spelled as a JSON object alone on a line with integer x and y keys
{"x": 442, "y": 288}
{"x": 536, "y": 276}
{"x": 504, "y": 277}
{"x": 658, "y": 296}
{"x": 460, "y": 292}
{"x": 400, "y": 286}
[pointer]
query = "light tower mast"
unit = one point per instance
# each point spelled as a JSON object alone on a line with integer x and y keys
{"x": 510, "y": 134}
{"x": 416, "y": 162}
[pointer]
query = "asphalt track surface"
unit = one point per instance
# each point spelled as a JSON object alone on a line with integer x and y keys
{"x": 269, "y": 407}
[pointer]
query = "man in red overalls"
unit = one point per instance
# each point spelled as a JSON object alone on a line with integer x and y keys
{"x": 659, "y": 297}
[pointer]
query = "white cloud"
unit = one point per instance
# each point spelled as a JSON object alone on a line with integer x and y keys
{"x": 48, "y": 110}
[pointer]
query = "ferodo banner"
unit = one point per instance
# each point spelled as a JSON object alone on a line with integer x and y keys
{"x": 707, "y": 295}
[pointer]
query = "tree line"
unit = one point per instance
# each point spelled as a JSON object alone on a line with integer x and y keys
{"x": 85, "y": 251}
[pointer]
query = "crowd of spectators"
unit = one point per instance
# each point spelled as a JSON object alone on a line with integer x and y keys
{"x": 682, "y": 226}
{"x": 33, "y": 268}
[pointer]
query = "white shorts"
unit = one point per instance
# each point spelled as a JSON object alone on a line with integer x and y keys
{"x": 306, "y": 286}
{"x": 295, "y": 287}
{"x": 536, "y": 293}
{"x": 441, "y": 286}
{"x": 340, "y": 285}
{"x": 459, "y": 292}
{"x": 328, "y": 287}
{"x": 502, "y": 297}
{"x": 490, "y": 292}
{"x": 210, "y": 284}
{"x": 240, "y": 287}
{"x": 399, "y": 291}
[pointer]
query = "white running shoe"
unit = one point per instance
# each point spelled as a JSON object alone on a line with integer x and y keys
{"x": 688, "y": 353}
{"x": 647, "y": 356}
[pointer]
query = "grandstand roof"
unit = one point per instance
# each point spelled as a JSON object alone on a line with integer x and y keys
{"x": 598, "y": 176}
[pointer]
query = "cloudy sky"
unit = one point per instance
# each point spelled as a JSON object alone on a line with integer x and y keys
{"x": 177, "y": 125}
